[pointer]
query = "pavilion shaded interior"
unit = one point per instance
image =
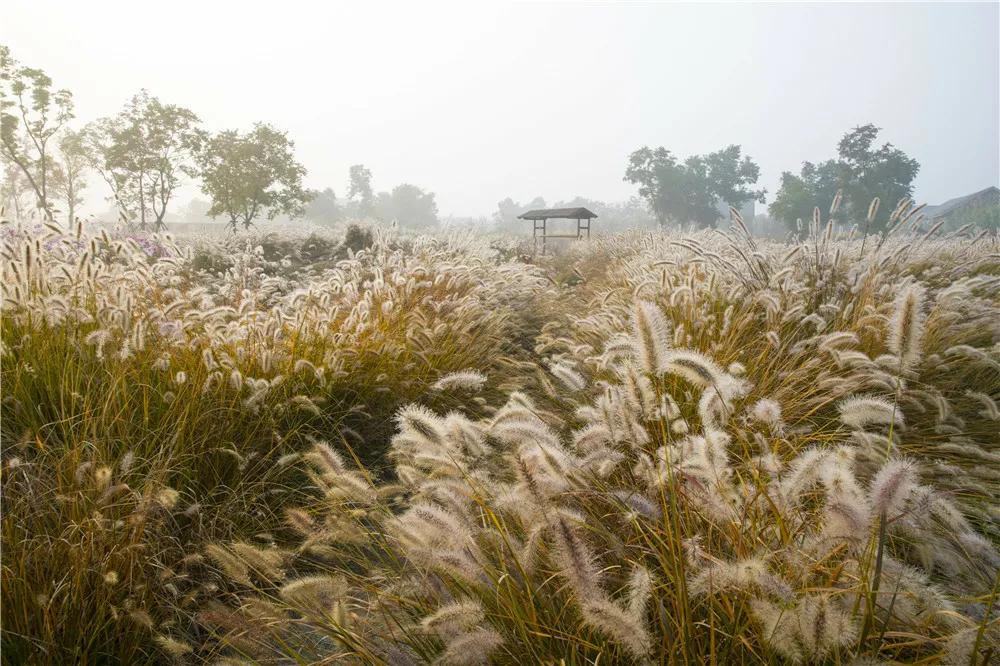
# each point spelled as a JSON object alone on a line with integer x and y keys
{"x": 541, "y": 216}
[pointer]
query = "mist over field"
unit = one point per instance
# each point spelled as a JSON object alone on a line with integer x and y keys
{"x": 443, "y": 333}
{"x": 479, "y": 103}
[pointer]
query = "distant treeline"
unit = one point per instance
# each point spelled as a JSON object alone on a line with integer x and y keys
{"x": 150, "y": 148}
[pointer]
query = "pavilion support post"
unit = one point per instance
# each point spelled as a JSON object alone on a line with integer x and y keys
{"x": 540, "y": 224}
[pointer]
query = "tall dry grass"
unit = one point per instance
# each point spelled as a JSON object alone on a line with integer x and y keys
{"x": 132, "y": 350}
{"x": 699, "y": 449}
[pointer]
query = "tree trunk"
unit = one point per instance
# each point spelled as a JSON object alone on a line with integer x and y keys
{"x": 70, "y": 197}
{"x": 142, "y": 204}
{"x": 44, "y": 197}
{"x": 164, "y": 197}
{"x": 39, "y": 196}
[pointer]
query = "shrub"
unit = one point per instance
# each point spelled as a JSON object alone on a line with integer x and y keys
{"x": 357, "y": 238}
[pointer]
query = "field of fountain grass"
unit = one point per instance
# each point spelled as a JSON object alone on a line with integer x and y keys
{"x": 649, "y": 448}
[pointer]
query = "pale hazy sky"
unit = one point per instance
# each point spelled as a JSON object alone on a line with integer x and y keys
{"x": 479, "y": 102}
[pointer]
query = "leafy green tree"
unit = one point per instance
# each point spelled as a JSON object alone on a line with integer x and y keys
{"x": 799, "y": 195}
{"x": 31, "y": 114}
{"x": 408, "y": 205}
{"x": 691, "y": 191}
{"x": 861, "y": 172}
{"x": 885, "y": 172}
{"x": 730, "y": 175}
{"x": 505, "y": 216}
{"x": 104, "y": 148}
{"x": 151, "y": 147}
{"x": 252, "y": 174}
{"x": 360, "y": 190}
{"x": 75, "y": 160}
{"x": 658, "y": 176}
{"x": 794, "y": 201}
{"x": 614, "y": 216}
{"x": 195, "y": 211}
{"x": 323, "y": 209}
{"x": 15, "y": 191}
{"x": 506, "y": 212}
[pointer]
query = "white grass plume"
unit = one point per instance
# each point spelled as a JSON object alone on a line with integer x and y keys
{"x": 862, "y": 411}
{"x": 891, "y": 487}
{"x": 768, "y": 412}
{"x": 472, "y": 648}
{"x": 421, "y": 422}
{"x": 454, "y": 618}
{"x": 651, "y": 337}
{"x": 744, "y": 575}
{"x": 907, "y": 325}
{"x": 638, "y": 391}
{"x": 640, "y": 587}
{"x": 315, "y": 595}
{"x": 471, "y": 381}
{"x": 619, "y": 625}
{"x": 694, "y": 367}
{"x": 570, "y": 378}
{"x": 809, "y": 630}
{"x": 231, "y": 565}
{"x": 575, "y": 559}
{"x": 990, "y": 409}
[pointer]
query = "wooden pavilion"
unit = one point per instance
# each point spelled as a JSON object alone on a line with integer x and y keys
{"x": 541, "y": 217}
